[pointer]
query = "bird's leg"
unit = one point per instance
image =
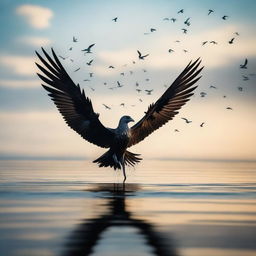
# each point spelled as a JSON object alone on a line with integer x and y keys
{"x": 123, "y": 165}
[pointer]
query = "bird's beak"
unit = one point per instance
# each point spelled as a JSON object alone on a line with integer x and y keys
{"x": 131, "y": 120}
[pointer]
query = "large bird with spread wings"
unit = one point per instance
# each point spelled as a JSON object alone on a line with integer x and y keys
{"x": 77, "y": 110}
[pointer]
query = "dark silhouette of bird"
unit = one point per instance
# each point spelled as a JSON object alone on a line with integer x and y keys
{"x": 229, "y": 108}
{"x": 111, "y": 66}
{"x": 186, "y": 22}
{"x": 184, "y": 50}
{"x": 149, "y": 92}
{"x": 181, "y": 11}
{"x": 203, "y": 94}
{"x": 70, "y": 49}
{"x": 166, "y": 19}
{"x": 177, "y": 41}
{"x": 213, "y": 87}
{"x": 88, "y": 49}
{"x": 224, "y": 17}
{"x": 210, "y": 11}
{"x": 170, "y": 50}
{"x": 140, "y": 100}
{"x": 77, "y": 110}
{"x": 106, "y": 106}
{"x": 205, "y": 42}
{"x": 119, "y": 85}
{"x": 237, "y": 34}
{"x": 63, "y": 57}
{"x": 240, "y": 88}
{"x": 184, "y": 30}
{"x": 186, "y": 120}
{"x": 89, "y": 63}
{"x": 244, "y": 66}
{"x": 202, "y": 124}
{"x": 75, "y": 40}
{"x": 152, "y": 30}
{"x": 213, "y": 42}
{"x": 115, "y": 19}
{"x": 176, "y": 130}
{"x": 77, "y": 69}
{"x": 136, "y": 84}
{"x": 138, "y": 90}
{"x": 231, "y": 41}
{"x": 173, "y": 20}
{"x": 91, "y": 74}
{"x": 141, "y": 57}
{"x": 122, "y": 74}
{"x": 87, "y": 80}
{"x": 122, "y": 104}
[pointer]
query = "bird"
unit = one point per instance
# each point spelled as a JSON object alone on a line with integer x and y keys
{"x": 213, "y": 42}
{"x": 245, "y": 78}
{"x": 224, "y": 17}
{"x": 244, "y": 66}
{"x": 173, "y": 20}
{"x": 106, "y": 106}
{"x": 115, "y": 19}
{"x": 89, "y": 63}
{"x": 212, "y": 87}
{"x": 203, "y": 94}
{"x": 202, "y": 124}
{"x": 176, "y": 130}
{"x": 231, "y": 41}
{"x": 152, "y": 30}
{"x": 186, "y": 120}
{"x": 74, "y": 40}
{"x": 237, "y": 34}
{"x": 77, "y": 110}
{"x": 210, "y": 11}
{"x": 149, "y": 91}
{"x": 184, "y": 30}
{"x": 122, "y": 104}
{"x": 203, "y": 43}
{"x": 77, "y": 69}
{"x": 91, "y": 74}
{"x": 141, "y": 57}
{"x": 170, "y": 50}
{"x": 229, "y": 108}
{"x": 111, "y": 66}
{"x": 186, "y": 22}
{"x": 119, "y": 84}
{"x": 165, "y": 18}
{"x": 88, "y": 49}
{"x": 70, "y": 49}
{"x": 181, "y": 11}
{"x": 138, "y": 90}
{"x": 63, "y": 57}
{"x": 240, "y": 88}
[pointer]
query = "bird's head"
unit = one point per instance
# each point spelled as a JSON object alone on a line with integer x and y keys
{"x": 126, "y": 119}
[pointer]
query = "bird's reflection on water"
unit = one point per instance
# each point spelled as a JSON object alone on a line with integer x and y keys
{"x": 87, "y": 235}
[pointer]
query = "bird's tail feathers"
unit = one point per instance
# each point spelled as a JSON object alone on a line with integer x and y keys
{"x": 110, "y": 159}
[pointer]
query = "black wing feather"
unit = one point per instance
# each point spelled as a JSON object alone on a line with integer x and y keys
{"x": 75, "y": 107}
{"x": 167, "y": 106}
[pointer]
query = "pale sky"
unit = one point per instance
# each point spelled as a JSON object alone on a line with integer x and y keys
{"x": 31, "y": 125}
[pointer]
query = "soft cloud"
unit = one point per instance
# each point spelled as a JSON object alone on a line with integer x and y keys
{"x": 21, "y": 65}
{"x": 19, "y": 83}
{"x": 35, "y": 41}
{"x": 36, "y": 16}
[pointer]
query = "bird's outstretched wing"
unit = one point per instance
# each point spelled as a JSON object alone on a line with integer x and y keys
{"x": 167, "y": 106}
{"x": 72, "y": 103}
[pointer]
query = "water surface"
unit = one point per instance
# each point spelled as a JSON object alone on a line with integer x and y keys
{"x": 166, "y": 208}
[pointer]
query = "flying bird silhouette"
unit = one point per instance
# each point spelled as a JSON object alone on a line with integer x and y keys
{"x": 210, "y": 11}
{"x": 186, "y": 120}
{"x": 244, "y": 66}
{"x": 231, "y": 41}
{"x": 88, "y": 50}
{"x": 89, "y": 63}
{"x": 74, "y": 40}
{"x": 77, "y": 110}
{"x": 115, "y": 19}
{"x": 141, "y": 57}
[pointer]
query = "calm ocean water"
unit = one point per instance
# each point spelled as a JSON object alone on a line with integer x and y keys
{"x": 66, "y": 208}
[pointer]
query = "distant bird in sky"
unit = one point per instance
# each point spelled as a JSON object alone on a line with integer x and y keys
{"x": 152, "y": 30}
{"x": 111, "y": 66}
{"x": 87, "y": 80}
{"x": 184, "y": 30}
{"x": 229, "y": 108}
{"x": 122, "y": 74}
{"x": 106, "y": 106}
{"x": 213, "y": 87}
{"x": 187, "y": 22}
{"x": 138, "y": 90}
{"x": 203, "y": 43}
{"x": 210, "y": 11}
{"x": 170, "y": 50}
{"x": 70, "y": 49}
{"x": 176, "y": 130}
{"x": 149, "y": 92}
{"x": 240, "y": 88}
{"x": 115, "y": 19}
{"x": 136, "y": 84}
{"x": 141, "y": 57}
{"x": 77, "y": 110}
{"x": 75, "y": 40}
{"x": 224, "y": 17}
{"x": 77, "y": 69}
{"x": 91, "y": 74}
{"x": 186, "y": 120}
{"x": 203, "y": 94}
{"x": 119, "y": 85}
{"x": 88, "y": 49}
{"x": 63, "y": 57}
{"x": 244, "y": 66}
{"x": 173, "y": 20}
{"x": 89, "y": 63}
{"x": 245, "y": 78}
{"x": 213, "y": 42}
{"x": 122, "y": 104}
{"x": 166, "y": 19}
{"x": 231, "y": 41}
{"x": 184, "y": 50}
{"x": 237, "y": 34}
{"x": 181, "y": 11}
{"x": 202, "y": 124}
